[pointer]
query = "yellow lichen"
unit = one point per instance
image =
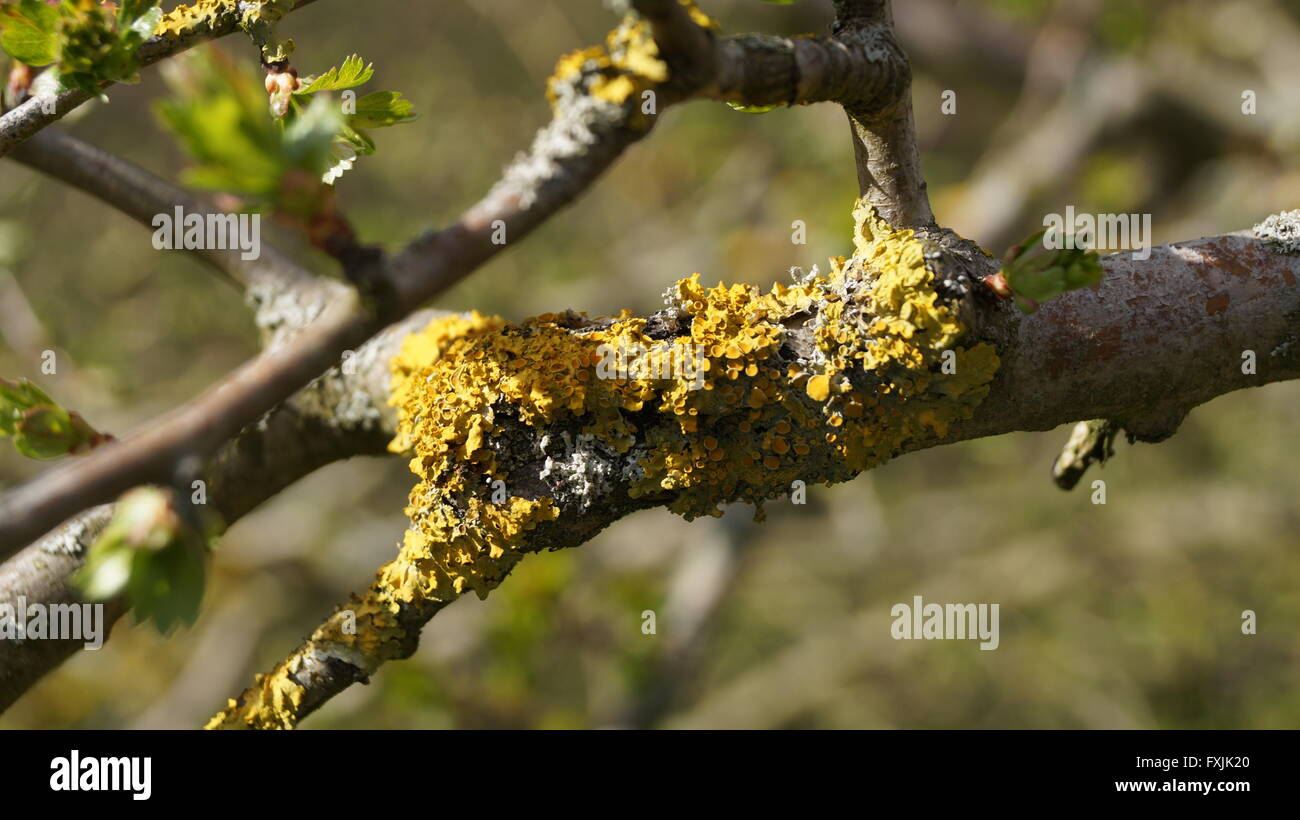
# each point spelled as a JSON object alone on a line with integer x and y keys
{"x": 256, "y": 17}
{"x": 196, "y": 17}
{"x": 761, "y": 415}
{"x": 697, "y": 14}
{"x": 276, "y": 704}
{"x": 878, "y": 379}
{"x": 624, "y": 67}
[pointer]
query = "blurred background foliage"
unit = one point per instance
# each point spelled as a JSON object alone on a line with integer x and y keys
{"x": 1122, "y": 615}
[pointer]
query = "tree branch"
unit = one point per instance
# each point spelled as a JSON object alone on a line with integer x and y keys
{"x": 583, "y": 140}
{"x": 568, "y": 155}
{"x": 270, "y": 279}
{"x": 178, "y": 33}
{"x": 1162, "y": 319}
{"x": 1157, "y": 338}
{"x": 196, "y": 429}
{"x": 884, "y": 138}
{"x": 338, "y": 416}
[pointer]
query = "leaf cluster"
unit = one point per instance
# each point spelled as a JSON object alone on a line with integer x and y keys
{"x": 87, "y": 43}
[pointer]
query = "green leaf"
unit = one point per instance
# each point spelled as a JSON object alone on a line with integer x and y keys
{"x": 236, "y": 152}
{"x": 381, "y": 109}
{"x": 167, "y": 587}
{"x": 30, "y": 32}
{"x": 45, "y": 431}
{"x": 308, "y": 138}
{"x": 358, "y": 139}
{"x": 16, "y": 398}
{"x": 219, "y": 115}
{"x": 140, "y": 17}
{"x": 352, "y": 73}
{"x": 39, "y": 426}
{"x": 105, "y": 573}
{"x": 149, "y": 554}
{"x": 97, "y": 49}
{"x": 1036, "y": 273}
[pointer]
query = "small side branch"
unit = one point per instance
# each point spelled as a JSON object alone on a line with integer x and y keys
{"x": 21, "y": 122}
{"x": 1091, "y": 442}
{"x": 142, "y": 195}
{"x": 884, "y": 137}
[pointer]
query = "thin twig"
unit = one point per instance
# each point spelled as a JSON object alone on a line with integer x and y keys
{"x": 21, "y": 122}
{"x": 340, "y": 415}
{"x": 142, "y": 195}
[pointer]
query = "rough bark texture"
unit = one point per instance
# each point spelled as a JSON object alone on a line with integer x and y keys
{"x": 1155, "y": 339}
{"x": 339, "y": 416}
{"x": 1158, "y": 337}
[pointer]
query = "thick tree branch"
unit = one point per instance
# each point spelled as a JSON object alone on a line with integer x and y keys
{"x": 1157, "y": 338}
{"x": 1075, "y": 359}
{"x": 583, "y": 140}
{"x": 40, "y": 575}
{"x": 860, "y": 67}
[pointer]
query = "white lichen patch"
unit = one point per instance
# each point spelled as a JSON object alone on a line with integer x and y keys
{"x": 1281, "y": 231}
{"x": 584, "y": 472}
{"x": 348, "y": 393}
{"x": 281, "y": 312}
{"x": 77, "y": 535}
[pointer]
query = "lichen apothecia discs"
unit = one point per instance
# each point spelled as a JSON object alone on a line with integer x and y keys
{"x": 873, "y": 381}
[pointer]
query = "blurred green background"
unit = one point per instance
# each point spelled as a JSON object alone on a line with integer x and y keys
{"x": 1115, "y": 616}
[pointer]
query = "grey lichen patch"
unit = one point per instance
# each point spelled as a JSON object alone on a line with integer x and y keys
{"x": 281, "y": 312}
{"x": 1281, "y": 231}
{"x": 353, "y": 394}
{"x": 351, "y": 403}
{"x": 581, "y": 471}
{"x": 579, "y": 122}
{"x": 326, "y": 653}
{"x": 75, "y": 537}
